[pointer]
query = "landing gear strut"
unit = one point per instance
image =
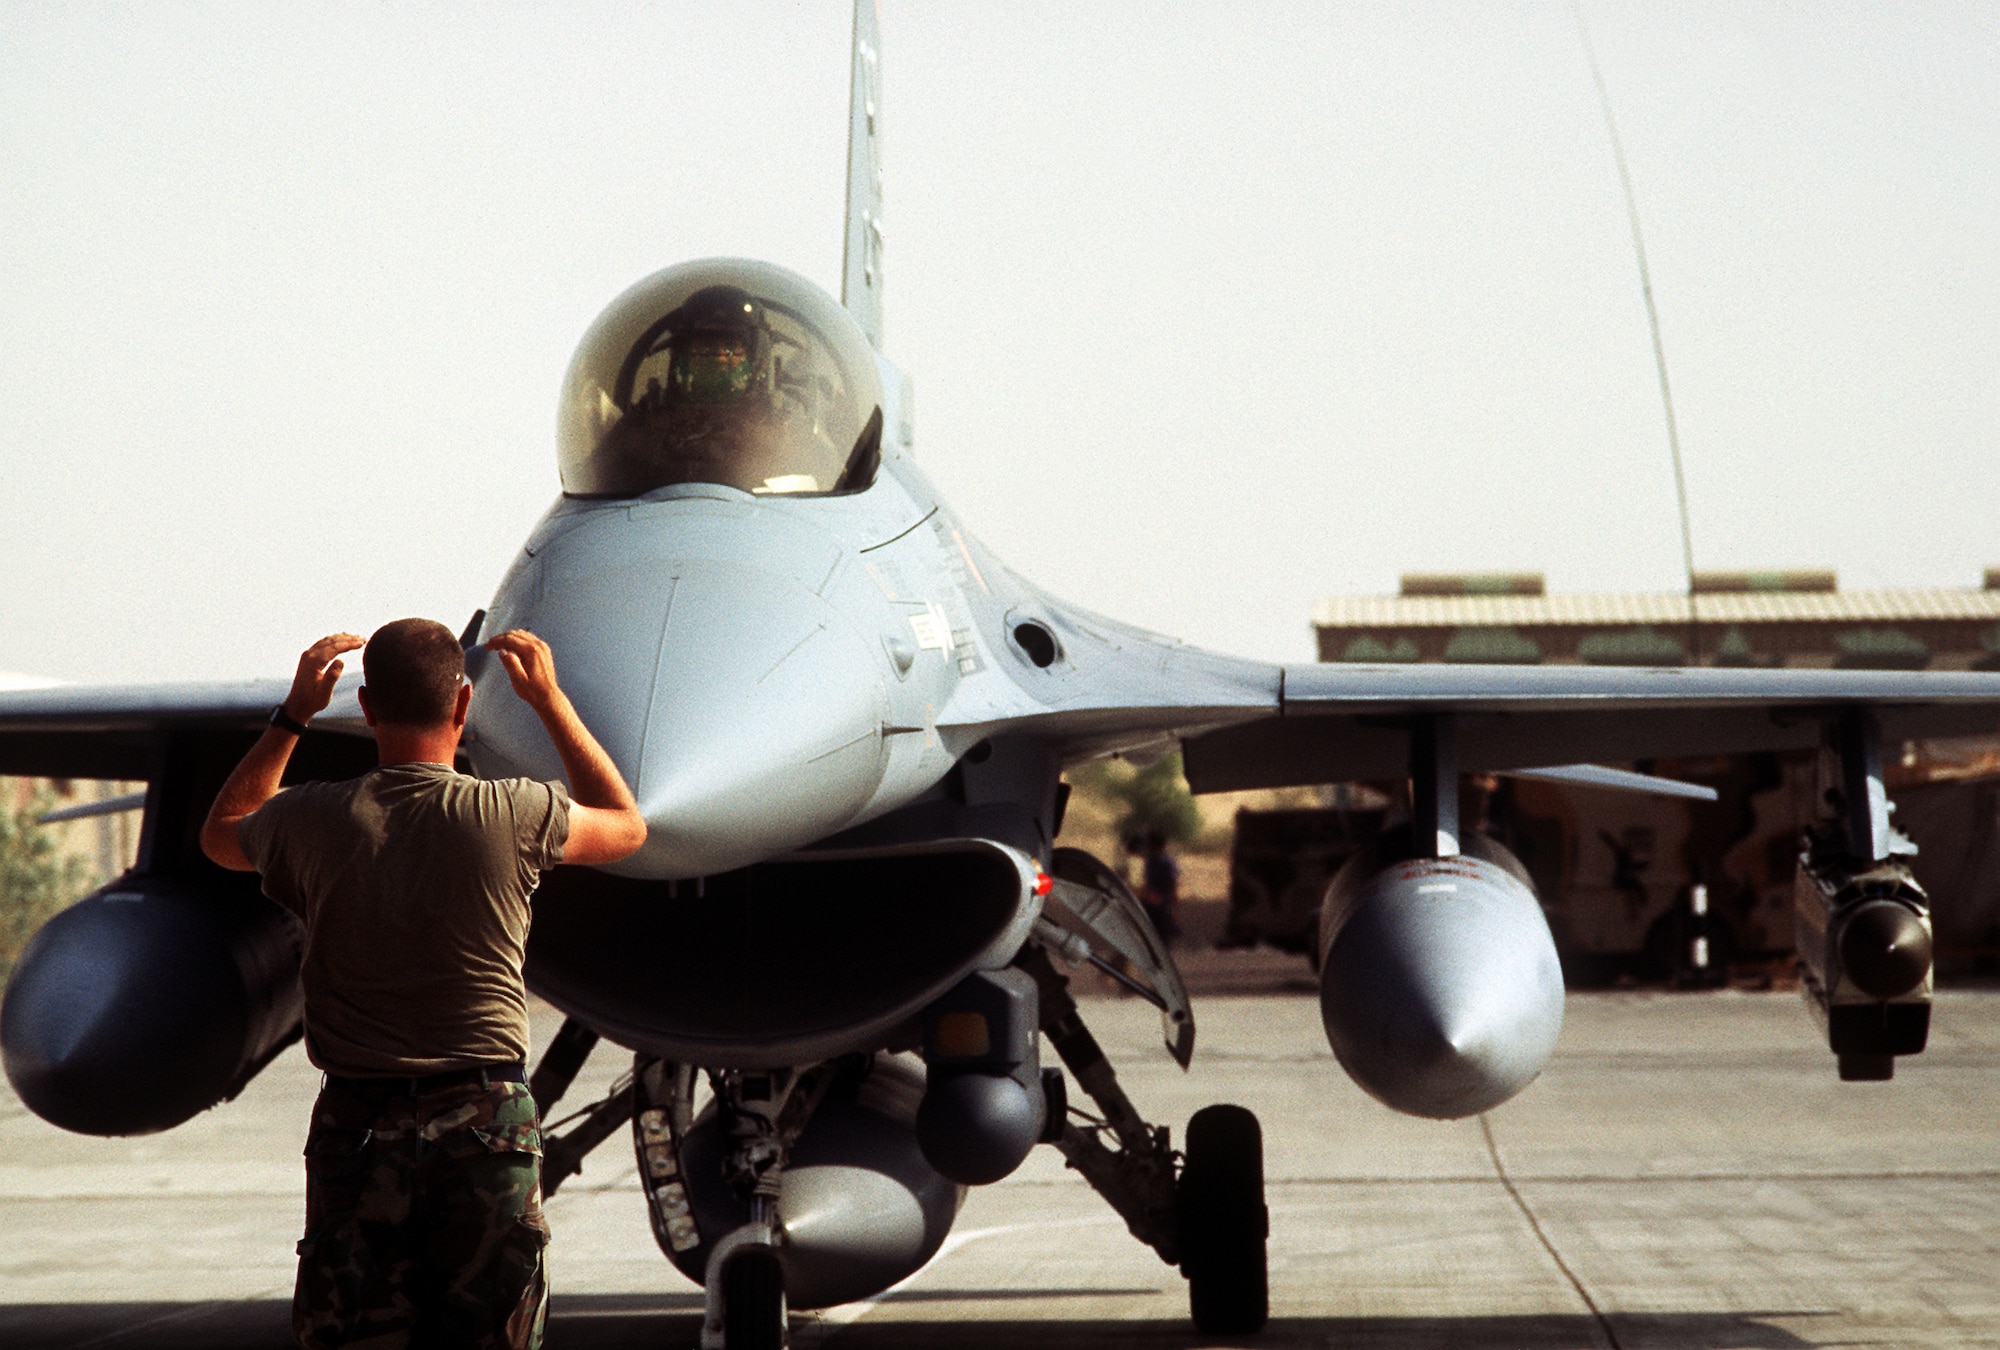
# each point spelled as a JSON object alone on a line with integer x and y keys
{"x": 563, "y": 1154}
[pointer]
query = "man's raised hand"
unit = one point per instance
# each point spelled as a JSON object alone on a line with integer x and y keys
{"x": 531, "y": 666}
{"x": 319, "y": 669}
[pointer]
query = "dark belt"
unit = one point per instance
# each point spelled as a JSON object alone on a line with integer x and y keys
{"x": 383, "y": 1089}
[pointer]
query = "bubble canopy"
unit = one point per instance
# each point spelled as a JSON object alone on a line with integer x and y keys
{"x": 721, "y": 371}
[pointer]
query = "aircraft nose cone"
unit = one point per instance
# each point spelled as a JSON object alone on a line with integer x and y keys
{"x": 762, "y": 737}
{"x": 1441, "y": 994}
{"x": 747, "y": 719}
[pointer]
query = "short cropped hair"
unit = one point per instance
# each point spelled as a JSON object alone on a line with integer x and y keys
{"x": 412, "y": 669}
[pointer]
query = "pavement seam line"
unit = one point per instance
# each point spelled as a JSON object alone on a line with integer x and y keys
{"x": 1541, "y": 1234}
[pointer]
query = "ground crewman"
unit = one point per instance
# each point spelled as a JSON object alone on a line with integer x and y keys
{"x": 424, "y": 1223}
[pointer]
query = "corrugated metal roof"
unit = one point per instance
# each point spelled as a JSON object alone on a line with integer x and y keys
{"x": 1524, "y": 611}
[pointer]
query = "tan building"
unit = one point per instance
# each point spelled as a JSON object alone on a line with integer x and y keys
{"x": 1730, "y": 618}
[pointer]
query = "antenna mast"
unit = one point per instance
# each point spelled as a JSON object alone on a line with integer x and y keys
{"x": 1653, "y": 322}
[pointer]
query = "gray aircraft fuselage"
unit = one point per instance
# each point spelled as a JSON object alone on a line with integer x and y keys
{"x": 763, "y": 671}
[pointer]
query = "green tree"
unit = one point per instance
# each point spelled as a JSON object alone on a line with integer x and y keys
{"x": 1880, "y": 649}
{"x": 1153, "y": 798}
{"x": 1638, "y": 646}
{"x": 1492, "y": 647}
{"x": 36, "y": 880}
{"x": 1372, "y": 651}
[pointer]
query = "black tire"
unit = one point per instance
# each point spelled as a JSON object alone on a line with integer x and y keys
{"x": 753, "y": 1301}
{"x": 1223, "y": 1222}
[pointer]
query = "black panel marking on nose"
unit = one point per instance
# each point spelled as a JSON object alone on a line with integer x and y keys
{"x": 893, "y": 538}
{"x": 791, "y": 651}
{"x": 653, "y": 689}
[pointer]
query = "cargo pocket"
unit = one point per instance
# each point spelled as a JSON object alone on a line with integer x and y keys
{"x": 525, "y": 1141}
{"x": 339, "y": 1164}
{"x": 498, "y": 1176}
{"x": 498, "y": 1157}
{"x": 335, "y": 1142}
{"x": 490, "y": 1234}
{"x": 499, "y": 1138}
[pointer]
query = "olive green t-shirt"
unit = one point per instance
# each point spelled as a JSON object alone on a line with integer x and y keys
{"x": 413, "y": 882}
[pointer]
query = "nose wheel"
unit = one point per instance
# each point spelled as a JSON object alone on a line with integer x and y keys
{"x": 753, "y": 1301}
{"x": 746, "y": 1293}
{"x": 1223, "y": 1222}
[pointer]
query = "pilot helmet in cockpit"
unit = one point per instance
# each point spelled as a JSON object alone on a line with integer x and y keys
{"x": 721, "y": 349}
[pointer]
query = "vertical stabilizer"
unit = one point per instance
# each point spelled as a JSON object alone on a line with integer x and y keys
{"x": 861, "y": 263}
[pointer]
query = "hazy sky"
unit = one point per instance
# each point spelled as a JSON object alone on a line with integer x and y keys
{"x": 1211, "y": 309}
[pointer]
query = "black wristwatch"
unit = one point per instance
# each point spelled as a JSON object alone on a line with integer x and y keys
{"x": 285, "y": 721}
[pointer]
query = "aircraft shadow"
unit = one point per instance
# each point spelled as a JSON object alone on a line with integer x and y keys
{"x": 1648, "y": 1331}
{"x": 576, "y": 1322}
{"x": 653, "y": 1321}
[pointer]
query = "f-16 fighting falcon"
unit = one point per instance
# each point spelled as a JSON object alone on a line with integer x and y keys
{"x": 844, "y": 948}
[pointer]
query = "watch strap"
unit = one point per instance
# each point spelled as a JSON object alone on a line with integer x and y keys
{"x": 285, "y": 721}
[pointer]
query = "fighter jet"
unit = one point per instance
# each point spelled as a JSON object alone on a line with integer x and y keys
{"x": 850, "y": 933}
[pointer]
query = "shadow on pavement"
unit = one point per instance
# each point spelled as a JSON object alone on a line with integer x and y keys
{"x": 576, "y": 1322}
{"x": 668, "y": 1321}
{"x": 1651, "y": 1331}
{"x": 1010, "y": 1295}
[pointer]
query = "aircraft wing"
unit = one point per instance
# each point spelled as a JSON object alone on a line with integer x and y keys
{"x": 120, "y": 731}
{"x": 1246, "y": 724}
{"x": 1110, "y": 687}
{"x": 1340, "y": 723}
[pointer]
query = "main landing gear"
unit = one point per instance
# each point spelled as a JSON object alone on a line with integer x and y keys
{"x": 1207, "y": 1215}
{"x": 1223, "y": 1221}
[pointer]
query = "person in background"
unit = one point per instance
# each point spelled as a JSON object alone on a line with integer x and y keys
{"x": 1160, "y": 886}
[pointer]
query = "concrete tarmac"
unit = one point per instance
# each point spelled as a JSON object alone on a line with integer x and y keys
{"x": 1687, "y": 1175}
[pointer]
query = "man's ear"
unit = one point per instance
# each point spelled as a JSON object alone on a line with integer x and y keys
{"x": 464, "y": 702}
{"x": 366, "y": 712}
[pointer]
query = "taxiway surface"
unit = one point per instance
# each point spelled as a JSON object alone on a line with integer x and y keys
{"x": 1687, "y": 1173}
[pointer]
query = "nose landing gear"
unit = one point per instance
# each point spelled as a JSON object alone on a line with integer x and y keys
{"x": 746, "y": 1290}
{"x": 765, "y": 1113}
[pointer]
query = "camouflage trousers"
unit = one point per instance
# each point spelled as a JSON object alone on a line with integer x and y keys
{"x": 424, "y": 1222}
